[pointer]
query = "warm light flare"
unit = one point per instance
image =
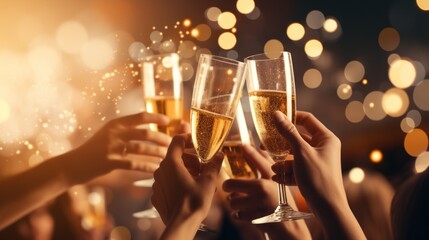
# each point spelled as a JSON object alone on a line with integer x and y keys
{"x": 71, "y": 36}
{"x": 422, "y": 162}
{"x": 4, "y": 111}
{"x": 227, "y": 20}
{"x": 313, "y": 48}
{"x": 372, "y": 106}
{"x": 423, "y": 4}
{"x": 245, "y": 6}
{"x": 416, "y": 142}
{"x": 97, "y": 54}
{"x": 402, "y": 73}
{"x": 330, "y": 25}
{"x": 356, "y": 175}
{"x": 376, "y": 156}
{"x": 227, "y": 40}
{"x": 295, "y": 31}
{"x": 395, "y": 102}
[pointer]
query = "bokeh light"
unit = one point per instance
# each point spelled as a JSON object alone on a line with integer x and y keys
{"x": 227, "y": 40}
{"x": 402, "y": 73}
{"x": 315, "y": 19}
{"x": 227, "y": 20}
{"x": 344, "y": 91}
{"x": 354, "y": 71}
{"x": 422, "y": 162}
{"x": 202, "y": 32}
{"x": 372, "y": 106}
{"x": 245, "y": 6}
{"x": 356, "y": 175}
{"x": 354, "y": 112}
{"x": 376, "y": 156}
{"x": 388, "y": 39}
{"x": 187, "y": 71}
{"x": 273, "y": 48}
{"x": 120, "y": 233}
{"x": 44, "y": 61}
{"x": 416, "y": 116}
{"x": 156, "y": 36}
{"x": 407, "y": 124}
{"x": 187, "y": 22}
{"x": 423, "y": 4}
{"x": 421, "y": 96}
{"x": 295, "y": 31}
{"x": 395, "y": 102}
{"x": 313, "y": 48}
{"x": 187, "y": 49}
{"x": 71, "y": 36}
{"x": 213, "y": 13}
{"x": 4, "y": 111}
{"x": 312, "y": 78}
{"x": 97, "y": 54}
{"x": 330, "y": 25}
{"x": 255, "y": 14}
{"x": 416, "y": 142}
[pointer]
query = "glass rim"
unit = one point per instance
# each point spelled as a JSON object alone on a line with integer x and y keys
{"x": 251, "y": 57}
{"x": 151, "y": 57}
{"x": 222, "y": 59}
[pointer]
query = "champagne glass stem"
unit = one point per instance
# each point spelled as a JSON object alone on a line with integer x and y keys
{"x": 281, "y": 188}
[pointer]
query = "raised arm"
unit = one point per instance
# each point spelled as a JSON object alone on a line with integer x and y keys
{"x": 118, "y": 145}
{"x": 317, "y": 172}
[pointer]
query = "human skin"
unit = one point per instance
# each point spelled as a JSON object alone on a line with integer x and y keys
{"x": 316, "y": 170}
{"x": 119, "y": 144}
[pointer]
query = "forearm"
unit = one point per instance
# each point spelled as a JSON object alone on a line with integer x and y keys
{"x": 22, "y": 193}
{"x": 339, "y": 221}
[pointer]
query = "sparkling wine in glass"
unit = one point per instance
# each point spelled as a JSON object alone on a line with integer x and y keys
{"x": 234, "y": 163}
{"x": 216, "y": 94}
{"x": 271, "y": 87}
{"x": 163, "y": 94}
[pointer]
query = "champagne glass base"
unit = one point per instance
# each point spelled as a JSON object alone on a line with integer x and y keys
{"x": 150, "y": 213}
{"x": 282, "y": 213}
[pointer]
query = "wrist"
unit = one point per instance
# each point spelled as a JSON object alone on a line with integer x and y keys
{"x": 338, "y": 219}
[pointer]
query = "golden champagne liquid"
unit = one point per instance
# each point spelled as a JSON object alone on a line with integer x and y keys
{"x": 263, "y": 104}
{"x": 234, "y": 163}
{"x": 209, "y": 130}
{"x": 169, "y": 106}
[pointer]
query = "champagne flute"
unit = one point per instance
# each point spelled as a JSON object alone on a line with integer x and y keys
{"x": 234, "y": 163}
{"x": 216, "y": 94}
{"x": 162, "y": 93}
{"x": 271, "y": 87}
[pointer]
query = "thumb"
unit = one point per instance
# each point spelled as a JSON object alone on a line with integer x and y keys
{"x": 287, "y": 129}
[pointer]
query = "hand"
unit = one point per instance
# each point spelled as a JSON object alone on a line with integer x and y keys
{"x": 121, "y": 145}
{"x": 183, "y": 189}
{"x": 254, "y": 198}
{"x": 316, "y": 170}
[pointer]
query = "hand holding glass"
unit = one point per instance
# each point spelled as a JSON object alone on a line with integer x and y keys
{"x": 216, "y": 94}
{"x": 271, "y": 87}
{"x": 163, "y": 94}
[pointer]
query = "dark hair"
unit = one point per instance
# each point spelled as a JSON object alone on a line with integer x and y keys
{"x": 410, "y": 208}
